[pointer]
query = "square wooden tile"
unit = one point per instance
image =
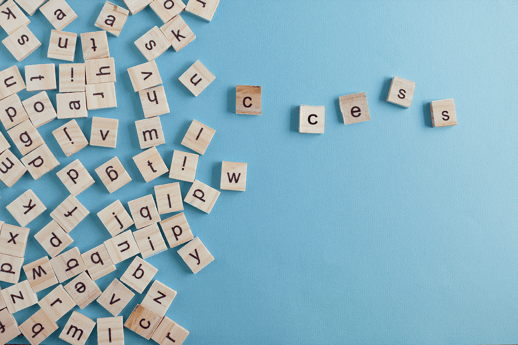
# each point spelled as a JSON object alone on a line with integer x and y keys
{"x": 115, "y": 218}
{"x": 116, "y": 297}
{"x": 113, "y": 175}
{"x": 69, "y": 213}
{"x": 75, "y": 177}
{"x": 354, "y": 108}
{"x": 58, "y": 13}
{"x": 68, "y": 265}
{"x": 144, "y": 76}
{"x": 13, "y": 240}
{"x": 21, "y": 43}
{"x": 25, "y": 137}
{"x": 202, "y": 196}
{"x": 12, "y": 17}
{"x": 19, "y": 296}
{"x": 139, "y": 274}
{"x": 167, "y": 9}
{"x": 83, "y": 290}
{"x": 312, "y": 119}
{"x": 71, "y": 105}
{"x": 62, "y": 45}
{"x": 40, "y": 161}
{"x": 57, "y": 303}
{"x": 10, "y": 269}
{"x": 233, "y": 176}
{"x": 154, "y": 102}
{"x": 70, "y": 138}
{"x": 72, "y": 77}
{"x": 95, "y": 47}
{"x": 98, "y": 262}
{"x": 178, "y": 33}
{"x": 204, "y": 9}
{"x": 401, "y": 92}
{"x": 12, "y": 111}
{"x": 100, "y": 96}
{"x": 122, "y": 247}
{"x": 443, "y": 113}
{"x": 169, "y": 332}
{"x": 158, "y": 298}
{"x": 197, "y": 78}
{"x": 135, "y": 6}
{"x": 144, "y": 212}
{"x": 14, "y": 169}
{"x": 152, "y": 44}
{"x": 10, "y": 326}
{"x": 53, "y": 238}
{"x": 248, "y": 100}
{"x": 40, "y": 274}
{"x": 183, "y": 166}
{"x": 40, "y": 77}
{"x": 26, "y": 207}
{"x": 100, "y": 71}
{"x": 176, "y": 230}
{"x": 12, "y": 82}
{"x": 30, "y": 6}
{"x": 77, "y": 329}
{"x": 39, "y": 108}
{"x": 4, "y": 144}
{"x": 38, "y": 327}
{"x": 112, "y": 18}
{"x": 150, "y": 164}
{"x": 198, "y": 137}
{"x": 104, "y": 132}
{"x": 150, "y": 241}
{"x": 196, "y": 255}
{"x": 150, "y": 132}
{"x": 168, "y": 198}
{"x": 110, "y": 331}
{"x": 143, "y": 321}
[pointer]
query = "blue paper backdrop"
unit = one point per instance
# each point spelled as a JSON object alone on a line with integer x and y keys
{"x": 388, "y": 231}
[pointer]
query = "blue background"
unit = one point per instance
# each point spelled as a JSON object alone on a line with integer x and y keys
{"x": 388, "y": 231}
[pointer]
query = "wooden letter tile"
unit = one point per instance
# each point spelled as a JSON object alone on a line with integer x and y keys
{"x": 38, "y": 327}
{"x": 12, "y": 111}
{"x": 104, "y": 132}
{"x": 9, "y": 327}
{"x": 197, "y": 78}
{"x": 110, "y": 331}
{"x": 176, "y": 230}
{"x": 78, "y": 329}
{"x": 168, "y": 198}
{"x": 169, "y": 332}
{"x": 115, "y": 218}
{"x": 135, "y": 6}
{"x": 25, "y": 137}
{"x": 150, "y": 164}
{"x": 122, "y": 247}
{"x": 40, "y": 77}
{"x": 68, "y": 265}
{"x": 150, "y": 132}
{"x": 150, "y": 241}
{"x": 21, "y": 43}
{"x": 113, "y": 175}
{"x": 401, "y": 92}
{"x": 116, "y": 297}
{"x": 195, "y": 255}
{"x": 11, "y": 169}
{"x": 143, "y": 322}
{"x": 83, "y": 290}
{"x": 30, "y": 6}
{"x": 40, "y": 161}
{"x": 69, "y": 213}
{"x": 159, "y": 298}
{"x": 139, "y": 274}
{"x": 95, "y": 46}
{"x": 13, "y": 240}
{"x": 57, "y": 303}
{"x": 12, "y": 17}
{"x": 312, "y": 119}
{"x": 112, "y": 18}
{"x": 144, "y": 212}
{"x": 70, "y": 138}
{"x": 202, "y": 196}
{"x": 354, "y": 108}
{"x": 167, "y": 9}
{"x": 39, "y": 108}
{"x": 26, "y": 207}
{"x": 152, "y": 44}
{"x": 99, "y": 96}
{"x": 198, "y": 137}
{"x": 98, "y": 262}
{"x": 58, "y": 13}
{"x": 4, "y": 144}
{"x": 53, "y": 238}
{"x": 233, "y": 176}
{"x": 75, "y": 177}
{"x": 11, "y": 82}
{"x": 72, "y": 77}
{"x": 19, "y": 296}
{"x": 154, "y": 102}
{"x": 443, "y": 113}
{"x": 100, "y": 70}
{"x": 144, "y": 76}
{"x": 248, "y": 100}
{"x": 71, "y": 105}
{"x": 62, "y": 45}
{"x": 40, "y": 274}
{"x": 178, "y": 33}
{"x": 204, "y": 9}
{"x": 10, "y": 269}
